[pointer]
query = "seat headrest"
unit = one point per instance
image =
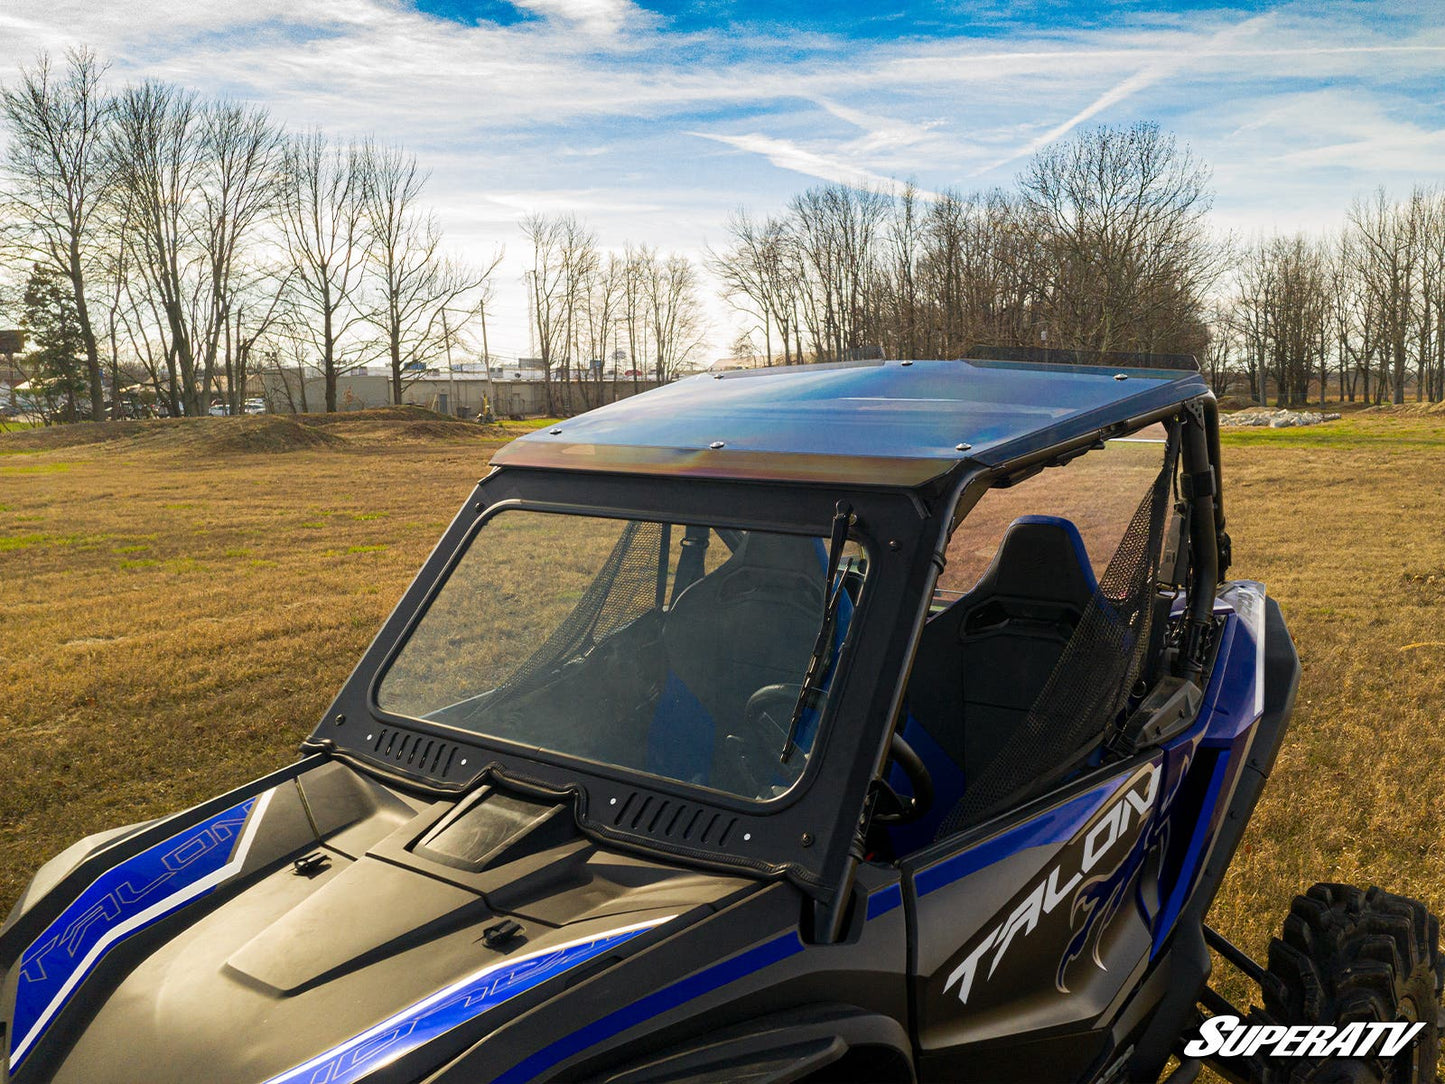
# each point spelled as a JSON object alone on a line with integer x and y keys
{"x": 1041, "y": 557}
{"x": 798, "y": 554}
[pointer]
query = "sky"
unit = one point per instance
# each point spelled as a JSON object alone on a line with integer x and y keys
{"x": 653, "y": 119}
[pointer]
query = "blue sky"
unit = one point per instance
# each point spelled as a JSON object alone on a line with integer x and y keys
{"x": 654, "y": 118}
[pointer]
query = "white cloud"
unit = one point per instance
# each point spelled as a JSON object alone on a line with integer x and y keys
{"x": 596, "y": 106}
{"x": 787, "y": 155}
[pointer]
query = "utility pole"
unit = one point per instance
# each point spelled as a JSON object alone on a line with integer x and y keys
{"x": 486, "y": 361}
{"x": 451, "y": 373}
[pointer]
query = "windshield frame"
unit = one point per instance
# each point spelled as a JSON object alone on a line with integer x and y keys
{"x": 806, "y": 836}
{"x": 714, "y": 796}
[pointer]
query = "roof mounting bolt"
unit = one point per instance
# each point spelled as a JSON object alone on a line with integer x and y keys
{"x": 717, "y": 376}
{"x": 715, "y": 445}
{"x": 807, "y": 839}
{"x": 1121, "y": 376}
{"x": 961, "y": 447}
{"x": 554, "y": 432}
{"x": 340, "y": 719}
{"x": 747, "y": 837}
{"x": 908, "y": 362}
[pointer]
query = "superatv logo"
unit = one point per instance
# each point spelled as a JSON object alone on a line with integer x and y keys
{"x": 1224, "y": 1036}
{"x": 1061, "y": 883}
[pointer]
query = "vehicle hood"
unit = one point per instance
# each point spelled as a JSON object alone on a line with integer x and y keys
{"x": 327, "y": 927}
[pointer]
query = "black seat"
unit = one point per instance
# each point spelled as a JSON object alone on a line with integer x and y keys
{"x": 751, "y": 622}
{"x": 982, "y": 663}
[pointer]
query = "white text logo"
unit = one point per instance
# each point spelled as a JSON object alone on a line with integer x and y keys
{"x": 1226, "y": 1037}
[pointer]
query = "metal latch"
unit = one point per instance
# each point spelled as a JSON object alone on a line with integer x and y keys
{"x": 498, "y": 935}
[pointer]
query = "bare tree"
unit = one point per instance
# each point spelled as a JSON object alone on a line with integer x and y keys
{"x": 55, "y": 166}
{"x": 1386, "y": 237}
{"x": 156, "y": 157}
{"x": 546, "y": 290}
{"x": 836, "y": 233}
{"x": 676, "y": 314}
{"x": 638, "y": 271}
{"x": 1283, "y": 312}
{"x": 415, "y": 283}
{"x": 564, "y": 259}
{"x": 323, "y": 221}
{"x": 240, "y": 150}
{"x": 1123, "y": 212}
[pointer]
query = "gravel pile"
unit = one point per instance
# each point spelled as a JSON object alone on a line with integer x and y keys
{"x": 1276, "y": 419}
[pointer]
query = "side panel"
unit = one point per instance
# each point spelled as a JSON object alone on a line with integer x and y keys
{"x": 1031, "y": 940}
{"x": 1036, "y": 930}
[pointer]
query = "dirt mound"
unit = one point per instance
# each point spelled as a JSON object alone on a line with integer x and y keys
{"x": 259, "y": 433}
{"x": 412, "y": 414}
{"x": 69, "y": 436}
{"x": 399, "y": 423}
{"x": 1406, "y": 409}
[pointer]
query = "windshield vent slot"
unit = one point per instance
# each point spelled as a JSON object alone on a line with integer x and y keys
{"x": 427, "y": 755}
{"x": 680, "y": 822}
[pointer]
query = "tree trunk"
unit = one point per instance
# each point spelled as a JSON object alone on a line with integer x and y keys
{"x": 87, "y": 334}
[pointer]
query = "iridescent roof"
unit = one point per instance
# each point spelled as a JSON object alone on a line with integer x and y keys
{"x": 870, "y": 422}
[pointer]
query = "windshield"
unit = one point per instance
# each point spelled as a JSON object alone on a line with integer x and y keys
{"x": 674, "y": 650}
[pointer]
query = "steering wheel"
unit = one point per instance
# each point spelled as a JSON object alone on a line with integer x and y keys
{"x": 919, "y": 780}
{"x": 754, "y": 750}
{"x": 768, "y": 712}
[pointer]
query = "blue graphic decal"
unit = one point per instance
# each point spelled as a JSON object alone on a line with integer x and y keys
{"x": 884, "y": 900}
{"x": 1204, "y": 830}
{"x": 644, "y": 1009}
{"x": 449, "y": 1008}
{"x": 119, "y": 903}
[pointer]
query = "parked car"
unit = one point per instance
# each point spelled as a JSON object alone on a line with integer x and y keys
{"x": 254, "y": 406}
{"x": 219, "y": 409}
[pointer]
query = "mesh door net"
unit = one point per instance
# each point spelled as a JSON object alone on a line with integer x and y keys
{"x": 1090, "y": 683}
{"x": 625, "y": 588}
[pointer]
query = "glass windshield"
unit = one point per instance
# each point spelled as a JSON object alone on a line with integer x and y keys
{"x": 675, "y": 650}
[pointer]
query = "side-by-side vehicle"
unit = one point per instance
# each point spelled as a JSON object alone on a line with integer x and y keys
{"x": 882, "y": 721}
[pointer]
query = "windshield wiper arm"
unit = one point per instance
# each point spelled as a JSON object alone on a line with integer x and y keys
{"x": 821, "y": 658}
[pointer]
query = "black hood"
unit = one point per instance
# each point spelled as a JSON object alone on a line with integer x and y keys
{"x": 346, "y": 925}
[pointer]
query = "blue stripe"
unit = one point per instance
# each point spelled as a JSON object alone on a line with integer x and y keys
{"x": 884, "y": 900}
{"x": 54, "y": 966}
{"x": 1056, "y": 826}
{"x": 669, "y": 997}
{"x": 451, "y": 1007}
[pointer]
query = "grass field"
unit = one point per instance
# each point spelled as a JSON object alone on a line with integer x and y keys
{"x": 178, "y": 605}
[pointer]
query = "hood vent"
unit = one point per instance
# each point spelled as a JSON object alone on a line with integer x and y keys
{"x": 430, "y": 756}
{"x": 674, "y": 821}
{"x": 496, "y": 828}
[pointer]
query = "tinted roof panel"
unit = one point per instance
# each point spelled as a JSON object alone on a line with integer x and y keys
{"x": 874, "y": 422}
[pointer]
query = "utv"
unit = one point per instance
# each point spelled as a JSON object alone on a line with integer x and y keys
{"x": 769, "y": 726}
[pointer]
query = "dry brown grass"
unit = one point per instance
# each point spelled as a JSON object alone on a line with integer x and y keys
{"x": 174, "y": 620}
{"x": 1343, "y": 523}
{"x": 175, "y": 616}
